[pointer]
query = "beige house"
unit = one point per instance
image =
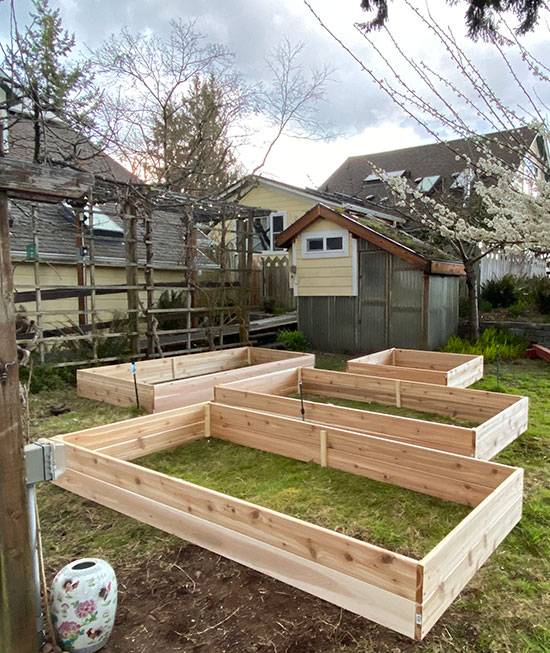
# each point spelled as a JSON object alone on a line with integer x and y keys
{"x": 288, "y": 203}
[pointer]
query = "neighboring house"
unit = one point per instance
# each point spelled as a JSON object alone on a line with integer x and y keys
{"x": 51, "y": 256}
{"x": 48, "y": 258}
{"x": 287, "y": 203}
{"x": 438, "y": 168}
{"x": 363, "y": 285}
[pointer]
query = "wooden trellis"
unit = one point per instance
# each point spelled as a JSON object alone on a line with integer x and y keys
{"x": 208, "y": 280}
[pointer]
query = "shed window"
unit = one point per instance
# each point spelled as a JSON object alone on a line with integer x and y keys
{"x": 315, "y": 244}
{"x": 327, "y": 243}
{"x": 335, "y": 243}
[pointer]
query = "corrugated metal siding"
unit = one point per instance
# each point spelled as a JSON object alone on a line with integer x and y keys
{"x": 387, "y": 312}
{"x": 443, "y": 311}
{"x": 407, "y": 288}
{"x": 374, "y": 267}
{"x": 329, "y": 323}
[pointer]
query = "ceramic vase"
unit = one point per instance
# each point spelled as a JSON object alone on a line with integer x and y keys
{"x": 83, "y": 604}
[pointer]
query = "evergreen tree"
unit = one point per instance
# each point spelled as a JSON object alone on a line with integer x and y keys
{"x": 38, "y": 64}
{"x": 191, "y": 147}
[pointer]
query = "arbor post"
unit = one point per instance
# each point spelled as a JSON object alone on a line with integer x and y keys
{"x": 18, "y": 632}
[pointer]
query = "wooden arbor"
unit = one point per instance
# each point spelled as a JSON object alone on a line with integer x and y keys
{"x": 18, "y": 628}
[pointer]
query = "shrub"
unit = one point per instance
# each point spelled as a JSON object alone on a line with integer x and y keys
{"x": 172, "y": 299}
{"x": 541, "y": 295}
{"x": 501, "y": 293}
{"x": 292, "y": 340}
{"x": 491, "y": 344}
{"x": 46, "y": 377}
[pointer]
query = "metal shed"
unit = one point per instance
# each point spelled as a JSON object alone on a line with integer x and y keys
{"x": 402, "y": 292}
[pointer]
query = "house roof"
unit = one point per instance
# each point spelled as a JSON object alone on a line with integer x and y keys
{"x": 55, "y": 223}
{"x": 441, "y": 160}
{"x": 336, "y": 200}
{"x": 391, "y": 239}
{"x": 62, "y": 142}
{"x": 56, "y": 234}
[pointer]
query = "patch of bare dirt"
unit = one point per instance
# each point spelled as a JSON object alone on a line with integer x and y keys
{"x": 195, "y": 601}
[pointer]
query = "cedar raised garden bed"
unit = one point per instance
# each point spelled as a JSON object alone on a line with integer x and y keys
{"x": 175, "y": 381}
{"x": 457, "y": 370}
{"x": 497, "y": 418}
{"x": 397, "y": 591}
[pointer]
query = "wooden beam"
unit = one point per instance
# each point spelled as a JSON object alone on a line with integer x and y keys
{"x": 30, "y": 181}
{"x": 367, "y": 562}
{"x": 378, "y": 605}
{"x": 17, "y": 617}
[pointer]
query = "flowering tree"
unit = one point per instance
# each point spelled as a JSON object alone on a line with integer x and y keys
{"x": 504, "y": 197}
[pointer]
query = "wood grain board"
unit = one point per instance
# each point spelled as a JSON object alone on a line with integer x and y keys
{"x": 441, "y": 368}
{"x": 397, "y": 591}
{"x": 497, "y": 418}
{"x": 167, "y": 383}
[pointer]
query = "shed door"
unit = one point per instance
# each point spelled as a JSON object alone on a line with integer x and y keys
{"x": 374, "y": 266}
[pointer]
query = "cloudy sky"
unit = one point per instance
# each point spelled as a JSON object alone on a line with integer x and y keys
{"x": 361, "y": 119}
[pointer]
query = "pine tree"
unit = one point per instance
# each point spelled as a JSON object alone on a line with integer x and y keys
{"x": 191, "y": 145}
{"x": 38, "y": 64}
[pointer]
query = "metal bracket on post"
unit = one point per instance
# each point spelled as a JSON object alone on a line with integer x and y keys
{"x": 44, "y": 461}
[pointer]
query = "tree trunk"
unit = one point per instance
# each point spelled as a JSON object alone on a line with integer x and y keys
{"x": 37, "y": 156}
{"x": 17, "y": 609}
{"x": 471, "y": 283}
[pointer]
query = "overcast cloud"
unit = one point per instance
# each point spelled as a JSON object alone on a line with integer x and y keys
{"x": 362, "y": 117}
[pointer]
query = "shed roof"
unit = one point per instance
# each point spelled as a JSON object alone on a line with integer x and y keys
{"x": 395, "y": 241}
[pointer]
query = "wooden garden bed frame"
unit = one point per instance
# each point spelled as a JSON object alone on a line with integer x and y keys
{"x": 397, "y": 591}
{"x": 500, "y": 418}
{"x": 457, "y": 370}
{"x": 171, "y": 382}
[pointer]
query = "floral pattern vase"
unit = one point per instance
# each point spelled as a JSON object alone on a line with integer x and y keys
{"x": 83, "y": 603}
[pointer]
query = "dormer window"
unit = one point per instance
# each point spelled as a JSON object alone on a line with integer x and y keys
{"x": 427, "y": 184}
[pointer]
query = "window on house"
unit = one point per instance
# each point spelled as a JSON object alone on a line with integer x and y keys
{"x": 325, "y": 244}
{"x": 266, "y": 229}
{"x": 426, "y": 184}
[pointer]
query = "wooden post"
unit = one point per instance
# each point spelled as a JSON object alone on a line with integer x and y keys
{"x": 17, "y": 615}
{"x": 80, "y": 270}
{"x": 190, "y": 246}
{"x": 37, "y": 288}
{"x": 92, "y": 278}
{"x": 132, "y": 296}
{"x": 149, "y": 278}
{"x": 323, "y": 447}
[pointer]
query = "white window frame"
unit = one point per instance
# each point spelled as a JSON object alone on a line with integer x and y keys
{"x": 325, "y": 253}
{"x": 272, "y": 248}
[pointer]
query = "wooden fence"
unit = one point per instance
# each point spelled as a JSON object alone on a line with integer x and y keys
{"x": 271, "y": 282}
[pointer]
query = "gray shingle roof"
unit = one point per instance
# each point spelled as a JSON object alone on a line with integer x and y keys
{"x": 56, "y": 233}
{"x": 62, "y": 143}
{"x": 55, "y": 223}
{"x": 443, "y": 159}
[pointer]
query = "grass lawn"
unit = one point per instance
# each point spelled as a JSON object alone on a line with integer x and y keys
{"x": 405, "y": 522}
{"x": 504, "y": 608}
